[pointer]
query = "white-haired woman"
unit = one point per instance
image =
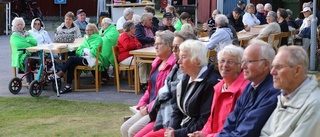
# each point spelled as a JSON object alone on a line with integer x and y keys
{"x": 226, "y": 92}
{"x": 127, "y": 15}
{"x": 110, "y": 36}
{"x": 21, "y": 39}
{"x": 195, "y": 90}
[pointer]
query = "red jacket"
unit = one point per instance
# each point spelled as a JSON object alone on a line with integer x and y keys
{"x": 223, "y": 104}
{"x": 162, "y": 75}
{"x": 127, "y": 43}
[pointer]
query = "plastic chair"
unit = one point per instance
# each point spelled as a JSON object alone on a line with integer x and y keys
{"x": 77, "y": 72}
{"x": 119, "y": 68}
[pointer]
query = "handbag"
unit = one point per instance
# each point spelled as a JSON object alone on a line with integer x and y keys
{"x": 64, "y": 37}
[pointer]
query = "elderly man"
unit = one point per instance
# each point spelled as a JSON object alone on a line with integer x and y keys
{"x": 258, "y": 99}
{"x": 167, "y": 22}
{"x": 127, "y": 15}
{"x": 223, "y": 35}
{"x": 209, "y": 26}
{"x": 235, "y": 19}
{"x": 297, "y": 113}
{"x": 81, "y": 21}
{"x": 272, "y": 28}
{"x": 260, "y": 14}
{"x": 145, "y": 30}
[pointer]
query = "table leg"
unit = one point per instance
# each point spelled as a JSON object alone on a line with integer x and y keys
{"x": 136, "y": 75}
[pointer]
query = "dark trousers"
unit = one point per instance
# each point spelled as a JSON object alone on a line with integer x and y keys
{"x": 29, "y": 76}
{"x": 69, "y": 66}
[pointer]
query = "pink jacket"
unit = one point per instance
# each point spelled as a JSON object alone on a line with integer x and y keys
{"x": 160, "y": 80}
{"x": 222, "y": 104}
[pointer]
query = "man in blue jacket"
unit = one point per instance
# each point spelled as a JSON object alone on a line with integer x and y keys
{"x": 258, "y": 99}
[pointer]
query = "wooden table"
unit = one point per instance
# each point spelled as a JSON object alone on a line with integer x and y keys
{"x": 57, "y": 47}
{"x": 144, "y": 55}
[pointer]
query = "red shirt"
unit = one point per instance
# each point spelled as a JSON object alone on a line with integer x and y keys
{"x": 127, "y": 43}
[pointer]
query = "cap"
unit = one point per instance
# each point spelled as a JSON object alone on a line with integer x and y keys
{"x": 80, "y": 10}
{"x": 237, "y": 10}
{"x": 305, "y": 9}
{"x": 167, "y": 15}
{"x": 240, "y": 2}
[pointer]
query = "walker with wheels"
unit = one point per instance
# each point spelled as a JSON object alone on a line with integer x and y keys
{"x": 36, "y": 65}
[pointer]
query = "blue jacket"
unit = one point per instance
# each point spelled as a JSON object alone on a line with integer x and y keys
{"x": 261, "y": 17}
{"x": 252, "y": 110}
{"x": 141, "y": 36}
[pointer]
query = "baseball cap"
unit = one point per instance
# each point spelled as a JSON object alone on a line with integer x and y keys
{"x": 240, "y": 2}
{"x": 237, "y": 10}
{"x": 80, "y": 10}
{"x": 167, "y": 15}
{"x": 305, "y": 9}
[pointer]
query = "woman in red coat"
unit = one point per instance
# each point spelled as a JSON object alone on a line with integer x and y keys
{"x": 226, "y": 92}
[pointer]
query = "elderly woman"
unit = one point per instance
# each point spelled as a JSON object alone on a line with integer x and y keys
{"x": 226, "y": 92}
{"x": 282, "y": 15}
{"x": 222, "y": 36}
{"x": 109, "y": 35}
{"x": 68, "y": 27}
{"x": 194, "y": 91}
{"x": 267, "y": 8}
{"x": 38, "y": 32}
{"x": 162, "y": 109}
{"x": 161, "y": 67}
{"x": 21, "y": 39}
{"x": 249, "y": 18}
{"x": 127, "y": 15}
{"x": 85, "y": 56}
{"x": 272, "y": 28}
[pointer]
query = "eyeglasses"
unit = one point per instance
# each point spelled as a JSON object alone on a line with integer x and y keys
{"x": 287, "y": 106}
{"x": 175, "y": 47}
{"x": 278, "y": 67}
{"x": 157, "y": 44}
{"x": 229, "y": 62}
{"x": 251, "y": 61}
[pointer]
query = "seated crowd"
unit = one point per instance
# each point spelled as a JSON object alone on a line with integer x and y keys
{"x": 256, "y": 91}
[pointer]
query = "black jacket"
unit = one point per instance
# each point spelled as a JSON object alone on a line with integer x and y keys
{"x": 198, "y": 105}
{"x": 236, "y": 23}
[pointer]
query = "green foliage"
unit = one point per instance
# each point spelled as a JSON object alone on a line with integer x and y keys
{"x": 31, "y": 117}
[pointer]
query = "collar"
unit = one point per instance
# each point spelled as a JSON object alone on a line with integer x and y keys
{"x": 198, "y": 79}
{"x": 291, "y": 95}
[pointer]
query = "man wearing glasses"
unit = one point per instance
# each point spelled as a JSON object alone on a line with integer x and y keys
{"x": 297, "y": 112}
{"x": 258, "y": 99}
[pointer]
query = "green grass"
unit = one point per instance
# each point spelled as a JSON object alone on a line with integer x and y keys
{"x": 30, "y": 117}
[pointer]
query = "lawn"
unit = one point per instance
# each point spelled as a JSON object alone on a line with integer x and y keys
{"x": 30, "y": 117}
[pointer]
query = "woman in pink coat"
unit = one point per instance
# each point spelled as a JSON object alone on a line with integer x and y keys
{"x": 226, "y": 92}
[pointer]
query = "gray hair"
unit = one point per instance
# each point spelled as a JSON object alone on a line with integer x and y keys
{"x": 188, "y": 27}
{"x": 197, "y": 50}
{"x": 232, "y": 50}
{"x": 128, "y": 25}
{"x": 266, "y": 51}
{"x": 298, "y": 56}
{"x": 144, "y": 16}
{"x": 136, "y": 19}
{"x": 127, "y": 11}
{"x": 185, "y": 35}
{"x": 258, "y": 6}
{"x": 267, "y": 5}
{"x": 166, "y": 37}
{"x": 222, "y": 20}
{"x": 107, "y": 21}
{"x": 15, "y": 22}
{"x": 273, "y": 15}
{"x": 289, "y": 12}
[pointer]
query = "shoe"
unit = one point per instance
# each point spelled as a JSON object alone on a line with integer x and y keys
{"x": 51, "y": 78}
{"x": 66, "y": 90}
{"x": 143, "y": 87}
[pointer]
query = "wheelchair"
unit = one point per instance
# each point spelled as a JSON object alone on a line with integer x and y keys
{"x": 36, "y": 65}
